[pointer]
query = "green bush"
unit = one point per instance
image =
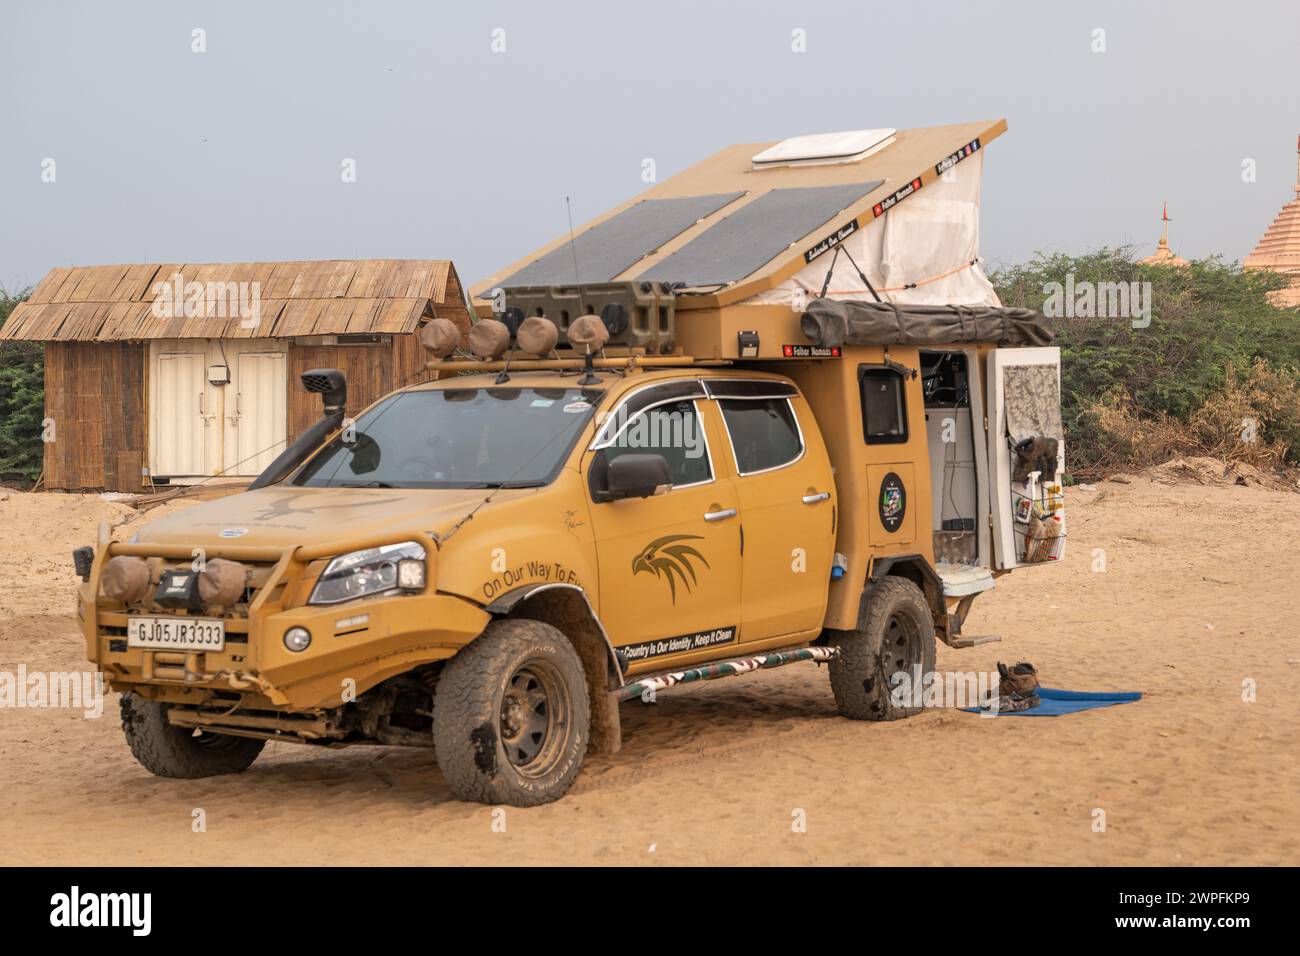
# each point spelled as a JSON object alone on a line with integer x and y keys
{"x": 1206, "y": 318}
{"x": 22, "y": 401}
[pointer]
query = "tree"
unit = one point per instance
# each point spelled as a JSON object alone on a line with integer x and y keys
{"x": 1209, "y": 320}
{"x": 22, "y": 400}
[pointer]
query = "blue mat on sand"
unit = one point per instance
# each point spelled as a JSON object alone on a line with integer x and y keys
{"x": 1056, "y": 702}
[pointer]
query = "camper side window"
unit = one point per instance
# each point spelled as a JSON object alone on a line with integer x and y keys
{"x": 884, "y": 412}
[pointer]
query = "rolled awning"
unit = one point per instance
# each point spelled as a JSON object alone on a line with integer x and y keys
{"x": 833, "y": 322}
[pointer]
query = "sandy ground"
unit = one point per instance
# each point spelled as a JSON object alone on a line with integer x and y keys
{"x": 1197, "y": 596}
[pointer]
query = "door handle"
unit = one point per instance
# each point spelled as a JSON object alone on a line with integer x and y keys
{"x": 813, "y": 499}
{"x": 722, "y": 515}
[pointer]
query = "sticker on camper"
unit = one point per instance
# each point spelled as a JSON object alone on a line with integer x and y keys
{"x": 893, "y": 502}
{"x": 889, "y": 202}
{"x": 574, "y": 407}
{"x": 831, "y": 241}
{"x": 233, "y": 532}
{"x": 810, "y": 351}
{"x": 952, "y": 159}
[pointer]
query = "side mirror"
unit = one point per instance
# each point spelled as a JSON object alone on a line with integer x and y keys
{"x": 637, "y": 476}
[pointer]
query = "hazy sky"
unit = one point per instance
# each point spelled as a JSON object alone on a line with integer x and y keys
{"x": 235, "y": 154}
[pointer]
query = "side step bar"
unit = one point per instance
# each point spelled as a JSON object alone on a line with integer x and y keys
{"x": 740, "y": 665}
{"x": 974, "y": 641}
{"x": 273, "y": 726}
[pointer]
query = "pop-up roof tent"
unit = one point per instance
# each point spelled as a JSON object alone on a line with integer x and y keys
{"x": 745, "y": 239}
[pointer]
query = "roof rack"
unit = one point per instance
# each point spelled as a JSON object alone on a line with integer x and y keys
{"x": 629, "y": 363}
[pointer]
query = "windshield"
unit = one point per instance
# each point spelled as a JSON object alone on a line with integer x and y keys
{"x": 455, "y": 438}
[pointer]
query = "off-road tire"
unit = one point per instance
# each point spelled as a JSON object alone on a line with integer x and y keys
{"x": 169, "y": 751}
{"x": 899, "y": 635}
{"x": 515, "y": 671}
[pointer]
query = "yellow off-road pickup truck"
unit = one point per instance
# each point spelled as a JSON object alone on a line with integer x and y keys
{"x": 767, "y": 411}
{"x": 489, "y": 564}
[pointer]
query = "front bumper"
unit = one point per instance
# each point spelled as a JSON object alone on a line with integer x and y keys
{"x": 354, "y": 646}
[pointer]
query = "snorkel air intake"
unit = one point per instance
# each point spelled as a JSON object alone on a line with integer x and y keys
{"x": 332, "y": 386}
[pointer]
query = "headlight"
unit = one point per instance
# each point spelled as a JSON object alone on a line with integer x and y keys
{"x": 373, "y": 571}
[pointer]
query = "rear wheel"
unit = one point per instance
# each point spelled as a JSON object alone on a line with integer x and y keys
{"x": 898, "y": 638}
{"x": 169, "y": 751}
{"x": 511, "y": 715}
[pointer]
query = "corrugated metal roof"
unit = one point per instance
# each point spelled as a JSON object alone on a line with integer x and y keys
{"x": 234, "y": 300}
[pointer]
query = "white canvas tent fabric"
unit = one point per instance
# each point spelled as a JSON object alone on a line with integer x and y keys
{"x": 932, "y": 232}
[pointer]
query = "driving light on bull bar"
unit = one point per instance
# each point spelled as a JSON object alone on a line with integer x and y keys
{"x": 297, "y": 639}
{"x": 392, "y": 567}
{"x": 179, "y": 590}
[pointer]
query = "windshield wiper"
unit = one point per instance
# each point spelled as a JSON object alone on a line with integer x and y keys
{"x": 506, "y": 484}
{"x": 364, "y": 484}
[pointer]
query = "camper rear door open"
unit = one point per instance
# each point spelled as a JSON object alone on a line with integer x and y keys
{"x": 1023, "y": 388}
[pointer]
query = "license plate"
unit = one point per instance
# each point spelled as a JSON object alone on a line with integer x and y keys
{"x": 176, "y": 633}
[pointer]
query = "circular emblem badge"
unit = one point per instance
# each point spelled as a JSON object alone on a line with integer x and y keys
{"x": 893, "y": 502}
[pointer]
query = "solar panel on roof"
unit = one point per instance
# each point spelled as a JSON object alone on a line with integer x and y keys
{"x": 755, "y": 234}
{"x": 609, "y": 248}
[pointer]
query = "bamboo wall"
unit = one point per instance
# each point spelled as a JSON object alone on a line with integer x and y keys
{"x": 95, "y": 393}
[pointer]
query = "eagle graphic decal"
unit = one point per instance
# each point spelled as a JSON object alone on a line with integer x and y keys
{"x": 668, "y": 558}
{"x": 283, "y": 507}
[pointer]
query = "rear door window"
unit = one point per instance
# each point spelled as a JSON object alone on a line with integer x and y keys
{"x": 764, "y": 433}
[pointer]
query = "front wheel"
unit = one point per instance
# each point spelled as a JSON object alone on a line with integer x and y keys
{"x": 511, "y": 715}
{"x": 167, "y": 750}
{"x": 898, "y": 639}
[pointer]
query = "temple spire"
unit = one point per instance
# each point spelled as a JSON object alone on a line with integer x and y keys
{"x": 1163, "y": 256}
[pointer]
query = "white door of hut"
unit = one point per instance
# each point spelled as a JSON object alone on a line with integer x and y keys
{"x": 183, "y": 410}
{"x": 256, "y": 409}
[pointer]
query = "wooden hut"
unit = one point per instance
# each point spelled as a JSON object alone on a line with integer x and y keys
{"x": 170, "y": 373}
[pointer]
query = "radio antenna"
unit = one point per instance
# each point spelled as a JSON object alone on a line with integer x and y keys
{"x": 573, "y": 247}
